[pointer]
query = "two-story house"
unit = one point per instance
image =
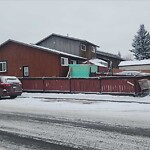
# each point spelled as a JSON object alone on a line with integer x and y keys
{"x": 79, "y": 47}
{"x": 69, "y": 45}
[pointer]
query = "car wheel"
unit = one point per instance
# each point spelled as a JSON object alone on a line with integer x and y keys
{"x": 12, "y": 97}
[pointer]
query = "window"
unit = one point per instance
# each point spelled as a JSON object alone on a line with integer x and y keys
{"x": 73, "y": 62}
{"x": 83, "y": 47}
{"x": 64, "y": 61}
{"x": 3, "y": 66}
{"x": 25, "y": 71}
{"x": 93, "y": 49}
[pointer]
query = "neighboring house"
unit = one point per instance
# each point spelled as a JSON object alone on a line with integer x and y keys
{"x": 136, "y": 65}
{"x": 69, "y": 45}
{"x": 113, "y": 60}
{"x": 27, "y": 60}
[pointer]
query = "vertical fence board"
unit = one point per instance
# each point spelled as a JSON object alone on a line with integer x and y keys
{"x": 117, "y": 85}
{"x": 57, "y": 84}
{"x": 35, "y": 84}
{"x": 85, "y": 85}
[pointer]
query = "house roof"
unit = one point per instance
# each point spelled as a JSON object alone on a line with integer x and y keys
{"x": 66, "y": 37}
{"x": 42, "y": 48}
{"x": 108, "y": 55}
{"x": 98, "y": 62}
{"x": 134, "y": 63}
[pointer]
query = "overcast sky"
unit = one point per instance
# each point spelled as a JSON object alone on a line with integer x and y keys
{"x": 111, "y": 24}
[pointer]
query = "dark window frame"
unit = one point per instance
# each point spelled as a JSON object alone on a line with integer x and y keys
{"x": 3, "y": 69}
{"x": 83, "y": 47}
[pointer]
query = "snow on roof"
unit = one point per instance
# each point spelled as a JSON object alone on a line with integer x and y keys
{"x": 98, "y": 62}
{"x": 98, "y": 52}
{"x": 57, "y": 51}
{"x": 134, "y": 62}
{"x": 43, "y": 48}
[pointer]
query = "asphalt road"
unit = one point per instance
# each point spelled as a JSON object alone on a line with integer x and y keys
{"x": 24, "y": 131}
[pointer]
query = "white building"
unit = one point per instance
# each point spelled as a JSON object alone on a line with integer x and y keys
{"x": 136, "y": 65}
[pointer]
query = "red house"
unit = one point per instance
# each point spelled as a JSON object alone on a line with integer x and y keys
{"x": 28, "y": 60}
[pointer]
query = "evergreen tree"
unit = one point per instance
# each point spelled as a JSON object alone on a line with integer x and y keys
{"x": 141, "y": 44}
{"x": 119, "y": 54}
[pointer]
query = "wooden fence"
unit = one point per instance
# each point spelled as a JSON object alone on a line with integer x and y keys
{"x": 111, "y": 85}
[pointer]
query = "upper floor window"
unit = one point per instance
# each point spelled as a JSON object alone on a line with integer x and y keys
{"x": 3, "y": 66}
{"x": 64, "y": 61}
{"x": 93, "y": 49}
{"x": 83, "y": 47}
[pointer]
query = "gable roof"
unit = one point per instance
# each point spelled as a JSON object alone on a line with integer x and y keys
{"x": 109, "y": 55}
{"x": 66, "y": 37}
{"x": 134, "y": 63}
{"x": 42, "y": 48}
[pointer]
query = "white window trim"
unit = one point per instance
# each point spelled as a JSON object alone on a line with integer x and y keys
{"x": 4, "y": 66}
{"x": 83, "y": 45}
{"x": 73, "y": 61}
{"x": 26, "y": 71}
{"x": 65, "y": 61}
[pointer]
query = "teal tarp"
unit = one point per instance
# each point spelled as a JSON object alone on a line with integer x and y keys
{"x": 82, "y": 70}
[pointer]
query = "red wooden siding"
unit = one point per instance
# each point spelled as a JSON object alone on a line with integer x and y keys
{"x": 41, "y": 63}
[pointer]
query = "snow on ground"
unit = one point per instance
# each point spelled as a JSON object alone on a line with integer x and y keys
{"x": 94, "y": 97}
{"x": 87, "y": 107}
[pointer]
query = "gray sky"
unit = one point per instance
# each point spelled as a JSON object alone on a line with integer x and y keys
{"x": 111, "y": 24}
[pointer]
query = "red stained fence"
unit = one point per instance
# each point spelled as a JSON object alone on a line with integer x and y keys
{"x": 32, "y": 84}
{"x": 91, "y": 85}
{"x": 56, "y": 84}
{"x": 111, "y": 85}
{"x": 117, "y": 85}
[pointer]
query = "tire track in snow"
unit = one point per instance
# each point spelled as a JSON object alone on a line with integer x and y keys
{"x": 145, "y": 132}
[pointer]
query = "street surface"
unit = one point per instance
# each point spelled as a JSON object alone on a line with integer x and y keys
{"x": 28, "y": 123}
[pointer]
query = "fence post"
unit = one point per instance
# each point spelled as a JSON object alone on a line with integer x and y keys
{"x": 135, "y": 86}
{"x": 100, "y": 85}
{"x": 70, "y": 84}
{"x": 43, "y": 79}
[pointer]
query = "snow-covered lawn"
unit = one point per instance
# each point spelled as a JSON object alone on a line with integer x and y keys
{"x": 90, "y": 107}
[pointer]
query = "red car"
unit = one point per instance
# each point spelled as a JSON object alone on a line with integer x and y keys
{"x": 10, "y": 86}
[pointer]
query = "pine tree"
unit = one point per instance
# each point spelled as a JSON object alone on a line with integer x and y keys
{"x": 119, "y": 54}
{"x": 141, "y": 44}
